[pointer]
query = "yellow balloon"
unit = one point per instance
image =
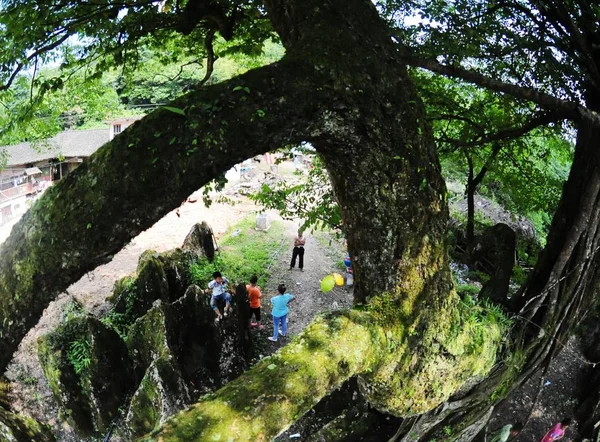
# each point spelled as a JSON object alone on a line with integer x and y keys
{"x": 339, "y": 279}
{"x": 327, "y": 283}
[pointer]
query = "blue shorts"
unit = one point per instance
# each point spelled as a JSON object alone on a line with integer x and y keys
{"x": 213, "y": 299}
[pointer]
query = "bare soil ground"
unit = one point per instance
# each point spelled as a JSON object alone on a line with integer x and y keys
{"x": 547, "y": 398}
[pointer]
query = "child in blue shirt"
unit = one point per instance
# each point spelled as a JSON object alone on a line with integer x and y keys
{"x": 220, "y": 290}
{"x": 280, "y": 311}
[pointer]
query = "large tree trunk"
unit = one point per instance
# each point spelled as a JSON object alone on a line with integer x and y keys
{"x": 562, "y": 287}
{"x": 406, "y": 343}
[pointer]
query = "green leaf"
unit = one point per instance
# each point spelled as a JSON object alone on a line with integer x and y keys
{"x": 175, "y": 110}
{"x": 272, "y": 367}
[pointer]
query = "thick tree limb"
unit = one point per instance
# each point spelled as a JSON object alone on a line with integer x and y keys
{"x": 133, "y": 181}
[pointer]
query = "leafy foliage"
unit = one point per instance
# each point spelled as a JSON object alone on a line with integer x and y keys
{"x": 122, "y": 321}
{"x": 79, "y": 354}
{"x": 310, "y": 198}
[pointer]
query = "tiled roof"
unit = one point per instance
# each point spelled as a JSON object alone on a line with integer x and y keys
{"x": 71, "y": 143}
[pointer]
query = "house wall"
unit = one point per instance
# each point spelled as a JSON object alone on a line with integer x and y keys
{"x": 13, "y": 208}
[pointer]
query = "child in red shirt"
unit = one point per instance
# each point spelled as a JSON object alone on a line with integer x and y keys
{"x": 254, "y": 295}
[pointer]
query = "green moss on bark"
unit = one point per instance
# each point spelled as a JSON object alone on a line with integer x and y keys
{"x": 279, "y": 389}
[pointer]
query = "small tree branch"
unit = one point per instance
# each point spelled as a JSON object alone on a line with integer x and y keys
{"x": 512, "y": 133}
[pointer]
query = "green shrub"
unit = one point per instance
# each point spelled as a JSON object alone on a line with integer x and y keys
{"x": 80, "y": 354}
{"x": 248, "y": 252}
{"x": 467, "y": 290}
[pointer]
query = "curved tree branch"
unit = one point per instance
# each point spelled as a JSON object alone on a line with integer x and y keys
{"x": 512, "y": 133}
{"x": 90, "y": 215}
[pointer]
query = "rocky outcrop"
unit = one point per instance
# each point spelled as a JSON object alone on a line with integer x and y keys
{"x": 159, "y": 346}
{"x": 19, "y": 428}
{"x": 89, "y": 372}
{"x": 161, "y": 393}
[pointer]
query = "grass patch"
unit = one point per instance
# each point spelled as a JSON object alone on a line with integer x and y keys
{"x": 243, "y": 252}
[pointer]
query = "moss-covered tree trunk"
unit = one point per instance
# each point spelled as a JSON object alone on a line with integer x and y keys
{"x": 562, "y": 287}
{"x": 405, "y": 339}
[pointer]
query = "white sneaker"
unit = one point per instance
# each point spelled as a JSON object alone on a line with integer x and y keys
{"x": 271, "y": 338}
{"x": 281, "y": 333}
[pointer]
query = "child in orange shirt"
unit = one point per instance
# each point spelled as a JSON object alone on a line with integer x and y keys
{"x": 254, "y": 295}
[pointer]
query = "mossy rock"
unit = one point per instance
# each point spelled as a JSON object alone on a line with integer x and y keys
{"x": 88, "y": 370}
{"x": 177, "y": 264}
{"x": 162, "y": 277}
{"x": 122, "y": 289}
{"x": 147, "y": 340}
{"x": 151, "y": 283}
{"x": 208, "y": 354}
{"x": 18, "y": 428}
{"x": 161, "y": 393}
{"x": 200, "y": 241}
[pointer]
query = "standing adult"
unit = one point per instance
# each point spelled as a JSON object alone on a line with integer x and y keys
{"x": 280, "y": 311}
{"x": 299, "y": 242}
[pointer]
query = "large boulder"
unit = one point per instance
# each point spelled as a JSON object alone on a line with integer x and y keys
{"x": 210, "y": 353}
{"x": 181, "y": 352}
{"x": 89, "y": 372}
{"x": 147, "y": 340}
{"x": 200, "y": 241}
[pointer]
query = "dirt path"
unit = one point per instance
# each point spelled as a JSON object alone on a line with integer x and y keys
{"x": 320, "y": 259}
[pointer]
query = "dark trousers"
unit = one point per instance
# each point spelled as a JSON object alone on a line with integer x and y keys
{"x": 298, "y": 251}
{"x": 255, "y": 312}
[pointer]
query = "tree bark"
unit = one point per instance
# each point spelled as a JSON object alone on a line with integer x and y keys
{"x": 561, "y": 288}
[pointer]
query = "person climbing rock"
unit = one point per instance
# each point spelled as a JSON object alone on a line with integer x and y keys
{"x": 254, "y": 295}
{"x": 220, "y": 290}
{"x": 299, "y": 242}
{"x": 558, "y": 431}
{"x": 280, "y": 311}
{"x": 506, "y": 432}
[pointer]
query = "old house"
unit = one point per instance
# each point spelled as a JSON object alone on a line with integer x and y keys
{"x": 31, "y": 168}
